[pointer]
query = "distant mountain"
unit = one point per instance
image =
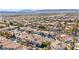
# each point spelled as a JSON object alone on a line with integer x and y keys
{"x": 26, "y": 11}
{"x": 8, "y": 12}
{"x": 30, "y": 11}
{"x": 58, "y": 11}
{"x": 50, "y": 11}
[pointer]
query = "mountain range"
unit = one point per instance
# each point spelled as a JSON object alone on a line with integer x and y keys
{"x": 39, "y": 11}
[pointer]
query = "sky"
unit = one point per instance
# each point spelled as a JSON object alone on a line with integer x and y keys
{"x": 39, "y": 4}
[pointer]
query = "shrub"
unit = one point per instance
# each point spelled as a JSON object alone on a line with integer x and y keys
{"x": 45, "y": 45}
{"x": 42, "y": 27}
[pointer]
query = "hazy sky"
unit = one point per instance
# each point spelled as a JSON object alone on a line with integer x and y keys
{"x": 39, "y": 4}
